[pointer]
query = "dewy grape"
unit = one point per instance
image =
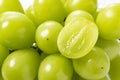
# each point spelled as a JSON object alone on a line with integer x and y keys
{"x": 59, "y": 40}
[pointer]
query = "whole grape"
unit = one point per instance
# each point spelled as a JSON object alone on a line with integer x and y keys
{"x": 16, "y": 30}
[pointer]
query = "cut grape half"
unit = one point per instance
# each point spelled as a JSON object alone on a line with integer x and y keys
{"x": 77, "y": 38}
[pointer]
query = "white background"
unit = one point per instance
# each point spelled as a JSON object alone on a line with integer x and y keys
{"x": 102, "y": 3}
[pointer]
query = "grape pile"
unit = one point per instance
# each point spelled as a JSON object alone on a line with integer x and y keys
{"x": 59, "y": 40}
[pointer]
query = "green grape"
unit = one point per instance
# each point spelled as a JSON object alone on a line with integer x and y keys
{"x": 22, "y": 64}
{"x": 16, "y": 30}
{"x": 31, "y": 15}
{"x": 108, "y": 21}
{"x": 86, "y": 5}
{"x": 55, "y": 67}
{"x": 77, "y": 14}
{"x": 46, "y": 36}
{"x": 115, "y": 68}
{"x": 49, "y": 10}
{"x": 4, "y": 52}
{"x": 10, "y": 5}
{"x": 77, "y": 38}
{"x": 94, "y": 65}
{"x": 112, "y": 47}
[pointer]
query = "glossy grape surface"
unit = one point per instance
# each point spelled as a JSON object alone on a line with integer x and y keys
{"x": 78, "y": 14}
{"x": 94, "y": 65}
{"x": 108, "y": 21}
{"x": 16, "y": 30}
{"x": 21, "y": 65}
{"x": 49, "y": 10}
{"x": 86, "y": 5}
{"x": 46, "y": 36}
{"x": 10, "y": 5}
{"x": 55, "y": 67}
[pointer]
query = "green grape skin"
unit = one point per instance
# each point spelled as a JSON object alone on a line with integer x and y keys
{"x": 115, "y": 68}
{"x": 46, "y": 36}
{"x": 94, "y": 65}
{"x": 111, "y": 47}
{"x": 86, "y": 5}
{"x": 76, "y": 14}
{"x": 55, "y": 67}
{"x": 4, "y": 52}
{"x": 16, "y": 30}
{"x": 49, "y": 10}
{"x": 21, "y": 64}
{"x": 108, "y": 21}
{"x": 10, "y": 5}
{"x": 77, "y": 38}
{"x": 29, "y": 12}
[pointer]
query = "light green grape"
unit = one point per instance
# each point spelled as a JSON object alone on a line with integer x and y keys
{"x": 49, "y": 10}
{"x": 55, "y": 67}
{"x": 112, "y": 47}
{"x": 46, "y": 36}
{"x": 21, "y": 64}
{"x": 108, "y": 21}
{"x": 77, "y": 38}
{"x": 77, "y": 14}
{"x": 86, "y": 5}
{"x": 10, "y": 5}
{"x": 16, "y": 30}
{"x": 94, "y": 65}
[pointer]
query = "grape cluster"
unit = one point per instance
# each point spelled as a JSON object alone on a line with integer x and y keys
{"x": 59, "y": 40}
